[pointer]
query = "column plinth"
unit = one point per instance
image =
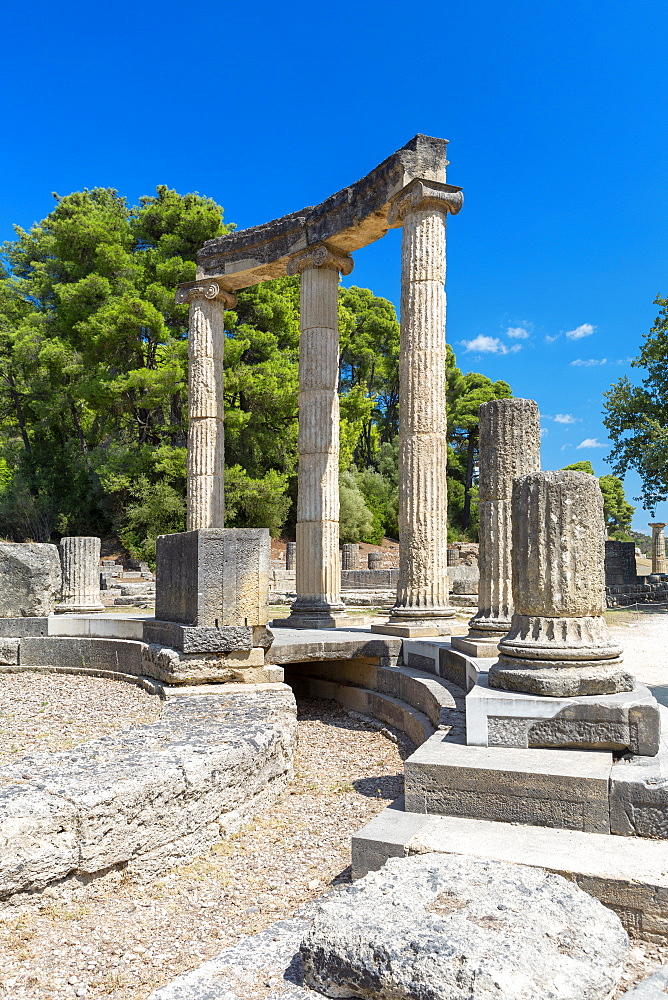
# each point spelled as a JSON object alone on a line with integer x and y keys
{"x": 318, "y": 568}
{"x": 659, "y": 561}
{"x": 509, "y": 447}
{"x": 422, "y": 605}
{"x": 80, "y": 559}
{"x": 206, "y": 438}
{"x": 558, "y": 644}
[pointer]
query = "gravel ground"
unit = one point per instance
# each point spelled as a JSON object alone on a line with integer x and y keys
{"x": 122, "y": 939}
{"x": 55, "y": 711}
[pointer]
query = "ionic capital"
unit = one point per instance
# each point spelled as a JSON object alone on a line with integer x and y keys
{"x": 420, "y": 195}
{"x": 320, "y": 255}
{"x": 188, "y": 291}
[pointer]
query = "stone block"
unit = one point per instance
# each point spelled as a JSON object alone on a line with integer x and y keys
{"x": 9, "y": 652}
{"x": 122, "y": 655}
{"x": 560, "y": 788}
{"x": 173, "y": 667}
{"x": 213, "y": 577}
{"x": 30, "y": 579}
{"x": 655, "y": 987}
{"x": 302, "y": 646}
{"x": 198, "y": 639}
{"x": 639, "y": 792}
{"x": 477, "y": 645}
{"x": 17, "y": 627}
{"x": 628, "y": 720}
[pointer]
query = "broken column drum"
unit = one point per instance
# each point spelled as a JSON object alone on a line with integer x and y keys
{"x": 422, "y": 591}
{"x": 659, "y": 561}
{"x": 509, "y": 447}
{"x": 206, "y": 439}
{"x": 318, "y": 569}
{"x": 350, "y": 556}
{"x": 290, "y": 555}
{"x": 558, "y": 644}
{"x": 80, "y": 560}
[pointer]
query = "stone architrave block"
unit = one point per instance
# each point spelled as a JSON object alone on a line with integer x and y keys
{"x": 558, "y": 788}
{"x": 30, "y": 579}
{"x": 628, "y": 720}
{"x": 213, "y": 577}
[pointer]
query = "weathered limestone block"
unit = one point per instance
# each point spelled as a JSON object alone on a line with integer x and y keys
{"x": 204, "y": 639}
{"x": 80, "y": 559}
{"x": 173, "y": 667}
{"x": 434, "y": 926}
{"x": 558, "y": 644}
{"x": 148, "y": 796}
{"x": 30, "y": 579}
{"x": 215, "y": 577}
{"x": 9, "y": 651}
{"x": 639, "y": 792}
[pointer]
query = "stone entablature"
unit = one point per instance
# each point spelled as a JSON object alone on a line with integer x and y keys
{"x": 347, "y": 221}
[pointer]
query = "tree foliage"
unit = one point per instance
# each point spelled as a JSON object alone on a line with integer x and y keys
{"x": 636, "y": 416}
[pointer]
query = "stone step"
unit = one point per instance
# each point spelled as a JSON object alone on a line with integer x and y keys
{"x": 559, "y": 788}
{"x": 627, "y": 874}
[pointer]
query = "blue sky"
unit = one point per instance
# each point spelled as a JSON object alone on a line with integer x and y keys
{"x": 555, "y": 112}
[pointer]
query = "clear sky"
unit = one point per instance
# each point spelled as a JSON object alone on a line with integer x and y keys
{"x": 555, "y": 112}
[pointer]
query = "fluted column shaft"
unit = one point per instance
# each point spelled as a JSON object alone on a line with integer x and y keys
{"x": 318, "y": 570}
{"x": 509, "y": 447}
{"x": 422, "y": 591}
{"x": 659, "y": 562}
{"x": 80, "y": 560}
{"x": 206, "y": 437}
{"x": 558, "y": 644}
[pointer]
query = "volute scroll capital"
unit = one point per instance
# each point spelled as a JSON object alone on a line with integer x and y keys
{"x": 423, "y": 194}
{"x": 188, "y": 291}
{"x": 320, "y": 255}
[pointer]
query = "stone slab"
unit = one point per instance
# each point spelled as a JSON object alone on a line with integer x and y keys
{"x": 30, "y": 579}
{"x": 629, "y": 876}
{"x": 17, "y": 627}
{"x": 655, "y": 987}
{"x": 639, "y": 792}
{"x": 475, "y": 646}
{"x": 561, "y": 788}
{"x": 308, "y": 622}
{"x": 627, "y": 721}
{"x": 9, "y": 651}
{"x": 174, "y": 667}
{"x": 462, "y": 669}
{"x": 198, "y": 639}
{"x": 213, "y": 577}
{"x": 422, "y": 655}
{"x": 300, "y": 646}
{"x": 96, "y": 626}
{"x": 411, "y": 631}
{"x": 124, "y": 655}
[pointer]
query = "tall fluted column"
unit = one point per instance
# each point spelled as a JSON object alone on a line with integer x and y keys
{"x": 509, "y": 447}
{"x": 206, "y": 439}
{"x": 80, "y": 560}
{"x": 659, "y": 562}
{"x": 558, "y": 644}
{"x": 422, "y": 605}
{"x": 318, "y": 570}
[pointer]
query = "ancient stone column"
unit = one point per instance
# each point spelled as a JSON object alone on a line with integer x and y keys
{"x": 80, "y": 560}
{"x": 206, "y": 439}
{"x": 659, "y": 562}
{"x": 509, "y": 447}
{"x": 375, "y": 560}
{"x": 350, "y": 556}
{"x": 318, "y": 583}
{"x": 290, "y": 555}
{"x": 422, "y": 605}
{"x": 558, "y": 644}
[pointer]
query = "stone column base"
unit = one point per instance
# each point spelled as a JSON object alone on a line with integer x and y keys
{"x": 478, "y": 643}
{"x": 561, "y": 678}
{"x": 79, "y": 609}
{"x": 318, "y": 620}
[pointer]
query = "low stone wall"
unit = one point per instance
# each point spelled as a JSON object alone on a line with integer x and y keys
{"x": 144, "y": 798}
{"x": 621, "y": 595}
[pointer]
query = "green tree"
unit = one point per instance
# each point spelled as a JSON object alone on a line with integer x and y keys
{"x": 636, "y": 416}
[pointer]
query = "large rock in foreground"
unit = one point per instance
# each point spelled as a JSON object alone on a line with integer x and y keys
{"x": 439, "y": 927}
{"x": 30, "y": 579}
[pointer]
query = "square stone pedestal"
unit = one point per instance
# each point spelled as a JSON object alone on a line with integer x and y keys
{"x": 628, "y": 721}
{"x": 407, "y": 631}
{"x": 295, "y": 620}
{"x": 213, "y": 577}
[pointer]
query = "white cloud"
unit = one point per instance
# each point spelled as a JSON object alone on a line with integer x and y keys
{"x": 551, "y": 340}
{"x": 564, "y": 446}
{"x": 584, "y": 330}
{"x": 515, "y": 348}
{"x": 565, "y": 418}
{"x": 544, "y": 432}
{"x": 591, "y": 443}
{"x": 517, "y": 333}
{"x": 486, "y": 345}
{"x": 588, "y": 362}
